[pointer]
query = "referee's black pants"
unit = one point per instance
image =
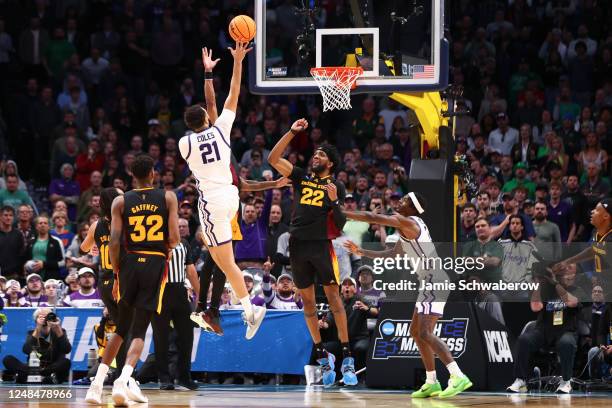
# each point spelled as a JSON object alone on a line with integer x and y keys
{"x": 175, "y": 308}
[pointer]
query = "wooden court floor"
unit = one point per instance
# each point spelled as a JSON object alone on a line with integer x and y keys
{"x": 300, "y": 396}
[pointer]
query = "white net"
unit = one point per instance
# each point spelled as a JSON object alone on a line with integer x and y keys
{"x": 335, "y": 84}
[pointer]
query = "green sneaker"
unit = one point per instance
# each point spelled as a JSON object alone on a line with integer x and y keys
{"x": 427, "y": 390}
{"x": 455, "y": 386}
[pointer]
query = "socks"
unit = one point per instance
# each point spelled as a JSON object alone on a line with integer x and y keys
{"x": 320, "y": 352}
{"x": 248, "y": 307}
{"x": 101, "y": 374}
{"x": 346, "y": 350}
{"x": 453, "y": 369}
{"x": 126, "y": 373}
{"x": 431, "y": 377}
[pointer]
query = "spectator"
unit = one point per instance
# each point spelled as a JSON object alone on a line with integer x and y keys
{"x": 561, "y": 213}
{"x": 520, "y": 179}
{"x": 485, "y": 247}
{"x": 87, "y": 163}
{"x": 259, "y": 143}
{"x": 33, "y": 43}
{"x": 485, "y": 299}
{"x": 276, "y": 228}
{"x": 11, "y": 245}
{"x": 556, "y": 301}
{"x": 518, "y": 253}
{"x": 594, "y": 187}
{"x": 357, "y": 313}
{"x": 601, "y": 352}
{"x": 284, "y": 296}
{"x": 94, "y": 67}
{"x": 72, "y": 282}
{"x": 87, "y": 295}
{"x": 25, "y": 222}
{"x": 10, "y": 168}
{"x": 13, "y": 296}
{"x": 45, "y": 251}
{"x": 72, "y": 252}
{"x": 34, "y": 292}
{"x": 592, "y": 153}
{"x": 57, "y": 52}
{"x": 251, "y": 251}
{"x": 65, "y": 150}
{"x": 65, "y": 189}
{"x": 12, "y": 196}
{"x": 578, "y": 203}
{"x": 367, "y": 291}
{"x": 503, "y": 137}
{"x": 66, "y": 236}
{"x": 468, "y": 219}
{"x": 84, "y": 205}
{"x": 363, "y": 126}
{"x": 525, "y": 150}
{"x": 49, "y": 341}
{"x": 548, "y": 237}
{"x": 52, "y": 287}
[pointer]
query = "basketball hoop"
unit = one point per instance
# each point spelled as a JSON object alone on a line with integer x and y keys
{"x": 335, "y": 84}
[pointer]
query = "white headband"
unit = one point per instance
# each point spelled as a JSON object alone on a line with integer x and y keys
{"x": 416, "y": 203}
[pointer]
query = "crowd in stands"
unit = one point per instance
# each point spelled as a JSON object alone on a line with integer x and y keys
{"x": 90, "y": 85}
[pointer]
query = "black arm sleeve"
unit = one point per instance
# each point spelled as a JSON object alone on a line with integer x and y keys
{"x": 339, "y": 217}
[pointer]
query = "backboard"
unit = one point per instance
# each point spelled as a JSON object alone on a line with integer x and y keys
{"x": 399, "y": 43}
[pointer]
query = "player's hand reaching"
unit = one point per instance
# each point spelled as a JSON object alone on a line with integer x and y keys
{"x": 209, "y": 63}
{"x": 299, "y": 125}
{"x": 332, "y": 191}
{"x": 267, "y": 266}
{"x": 282, "y": 182}
{"x": 240, "y": 51}
{"x": 353, "y": 248}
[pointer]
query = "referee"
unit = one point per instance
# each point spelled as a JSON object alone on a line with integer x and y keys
{"x": 176, "y": 308}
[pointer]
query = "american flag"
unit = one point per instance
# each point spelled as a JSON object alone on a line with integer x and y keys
{"x": 422, "y": 71}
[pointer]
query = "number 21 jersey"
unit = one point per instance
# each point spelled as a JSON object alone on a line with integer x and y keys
{"x": 208, "y": 154}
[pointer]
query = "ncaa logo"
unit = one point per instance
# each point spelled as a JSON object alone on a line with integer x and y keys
{"x": 387, "y": 328}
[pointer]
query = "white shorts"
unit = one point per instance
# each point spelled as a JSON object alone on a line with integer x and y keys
{"x": 217, "y": 208}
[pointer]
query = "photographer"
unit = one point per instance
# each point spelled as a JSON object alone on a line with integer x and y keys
{"x": 50, "y": 343}
{"x": 557, "y": 303}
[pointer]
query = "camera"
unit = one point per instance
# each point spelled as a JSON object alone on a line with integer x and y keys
{"x": 51, "y": 317}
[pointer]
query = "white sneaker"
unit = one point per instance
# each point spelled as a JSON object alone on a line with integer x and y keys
{"x": 259, "y": 313}
{"x": 94, "y": 394}
{"x": 565, "y": 387}
{"x": 518, "y": 385}
{"x": 120, "y": 393}
{"x": 134, "y": 393}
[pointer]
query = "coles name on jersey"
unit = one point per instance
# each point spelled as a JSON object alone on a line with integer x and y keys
{"x": 208, "y": 153}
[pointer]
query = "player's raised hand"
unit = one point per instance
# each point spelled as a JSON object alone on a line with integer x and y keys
{"x": 240, "y": 51}
{"x": 267, "y": 266}
{"x": 332, "y": 191}
{"x": 299, "y": 125}
{"x": 352, "y": 247}
{"x": 209, "y": 63}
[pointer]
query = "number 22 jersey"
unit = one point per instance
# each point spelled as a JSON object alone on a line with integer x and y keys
{"x": 312, "y": 217}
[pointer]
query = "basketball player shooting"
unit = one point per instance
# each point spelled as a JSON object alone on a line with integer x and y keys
{"x": 208, "y": 153}
{"x": 315, "y": 221}
{"x": 146, "y": 219}
{"x": 415, "y": 241}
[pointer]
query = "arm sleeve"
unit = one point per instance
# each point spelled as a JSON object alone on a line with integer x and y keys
{"x": 265, "y": 214}
{"x": 266, "y": 286}
{"x": 339, "y": 217}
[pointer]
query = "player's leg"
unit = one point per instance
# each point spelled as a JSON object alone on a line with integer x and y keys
{"x": 208, "y": 318}
{"x": 458, "y": 381}
{"x": 205, "y": 278}
{"x": 432, "y": 387}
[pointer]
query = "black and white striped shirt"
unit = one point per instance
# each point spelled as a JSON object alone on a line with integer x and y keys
{"x": 181, "y": 257}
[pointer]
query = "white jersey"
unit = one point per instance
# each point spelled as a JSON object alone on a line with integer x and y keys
{"x": 423, "y": 249}
{"x": 208, "y": 154}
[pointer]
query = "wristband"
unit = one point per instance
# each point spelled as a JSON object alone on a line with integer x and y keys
{"x": 336, "y": 202}
{"x": 208, "y": 75}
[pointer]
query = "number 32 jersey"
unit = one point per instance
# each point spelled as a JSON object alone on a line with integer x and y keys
{"x": 312, "y": 217}
{"x": 209, "y": 155}
{"x": 145, "y": 220}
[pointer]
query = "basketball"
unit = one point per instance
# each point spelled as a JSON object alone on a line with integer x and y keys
{"x": 242, "y": 28}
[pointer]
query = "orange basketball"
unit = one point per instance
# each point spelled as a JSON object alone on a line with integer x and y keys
{"x": 242, "y": 28}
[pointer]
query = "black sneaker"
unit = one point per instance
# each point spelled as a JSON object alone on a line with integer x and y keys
{"x": 166, "y": 386}
{"x": 187, "y": 384}
{"x": 209, "y": 321}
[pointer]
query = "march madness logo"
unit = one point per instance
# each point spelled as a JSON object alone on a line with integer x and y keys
{"x": 394, "y": 340}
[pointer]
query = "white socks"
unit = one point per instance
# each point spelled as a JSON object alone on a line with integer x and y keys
{"x": 453, "y": 369}
{"x": 248, "y": 307}
{"x": 126, "y": 373}
{"x": 431, "y": 377}
{"x": 101, "y": 374}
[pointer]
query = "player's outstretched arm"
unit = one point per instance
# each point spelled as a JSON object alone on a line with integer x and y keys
{"x": 275, "y": 158}
{"x": 409, "y": 228}
{"x": 89, "y": 240}
{"x": 115, "y": 235}
{"x": 252, "y": 185}
{"x": 174, "y": 237}
{"x": 241, "y": 50}
{"x": 386, "y": 253}
{"x": 209, "y": 88}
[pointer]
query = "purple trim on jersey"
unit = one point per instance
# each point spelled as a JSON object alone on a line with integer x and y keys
{"x": 224, "y": 242}
{"x": 222, "y": 137}
{"x": 208, "y": 225}
{"x": 189, "y": 151}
